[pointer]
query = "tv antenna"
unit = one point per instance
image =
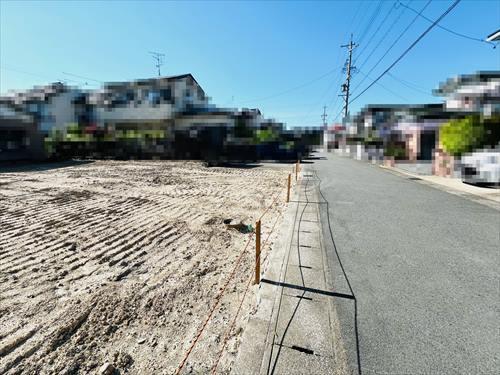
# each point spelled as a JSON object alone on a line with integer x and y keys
{"x": 159, "y": 60}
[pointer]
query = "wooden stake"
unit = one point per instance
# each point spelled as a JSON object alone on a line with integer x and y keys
{"x": 257, "y": 252}
{"x": 296, "y": 171}
{"x": 288, "y": 190}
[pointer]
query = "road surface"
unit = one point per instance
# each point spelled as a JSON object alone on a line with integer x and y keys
{"x": 423, "y": 266}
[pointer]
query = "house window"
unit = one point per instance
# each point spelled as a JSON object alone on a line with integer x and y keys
{"x": 200, "y": 94}
{"x": 154, "y": 97}
{"x": 130, "y": 96}
{"x": 33, "y": 108}
{"x": 166, "y": 94}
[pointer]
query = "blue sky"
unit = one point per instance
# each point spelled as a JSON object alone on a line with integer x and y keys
{"x": 281, "y": 57}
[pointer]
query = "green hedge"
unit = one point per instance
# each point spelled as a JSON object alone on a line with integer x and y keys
{"x": 462, "y": 135}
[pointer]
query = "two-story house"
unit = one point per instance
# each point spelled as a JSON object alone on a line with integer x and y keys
{"x": 147, "y": 103}
{"x": 51, "y": 106}
{"x": 147, "y": 109}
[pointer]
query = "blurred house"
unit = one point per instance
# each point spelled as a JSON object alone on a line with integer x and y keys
{"x": 466, "y": 95}
{"x": 400, "y": 134}
{"x": 172, "y": 113}
{"x": 51, "y": 106}
{"x": 26, "y": 117}
{"x": 408, "y": 134}
{"x": 202, "y": 132}
{"x": 333, "y": 136}
{"x": 20, "y": 138}
{"x": 145, "y": 109}
{"x": 472, "y": 93}
{"x": 161, "y": 117}
{"x": 150, "y": 102}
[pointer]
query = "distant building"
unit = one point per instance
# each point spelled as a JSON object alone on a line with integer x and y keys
{"x": 332, "y": 136}
{"x": 174, "y": 109}
{"x": 51, "y": 106}
{"x": 472, "y": 93}
{"x": 147, "y": 102}
{"x": 166, "y": 117}
{"x": 19, "y": 135}
{"x": 411, "y": 128}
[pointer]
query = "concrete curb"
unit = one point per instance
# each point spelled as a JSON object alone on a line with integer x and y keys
{"x": 251, "y": 354}
{"x": 491, "y": 200}
{"x": 300, "y": 332}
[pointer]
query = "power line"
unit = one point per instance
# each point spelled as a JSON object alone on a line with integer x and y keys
{"x": 292, "y": 89}
{"x": 393, "y": 44}
{"x": 386, "y": 88}
{"x": 318, "y": 102}
{"x": 371, "y": 21}
{"x": 333, "y": 103}
{"x": 50, "y": 78}
{"x": 336, "y": 96}
{"x": 78, "y": 76}
{"x": 375, "y": 32}
{"x": 410, "y": 85}
{"x": 450, "y": 31}
{"x": 353, "y": 18}
{"x": 362, "y": 18}
{"x": 408, "y": 49}
{"x": 349, "y": 70}
{"x": 383, "y": 37}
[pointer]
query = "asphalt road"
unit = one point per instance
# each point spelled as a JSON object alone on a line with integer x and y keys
{"x": 423, "y": 266}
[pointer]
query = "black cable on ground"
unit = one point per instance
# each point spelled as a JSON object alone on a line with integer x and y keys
{"x": 356, "y": 331}
{"x": 300, "y": 299}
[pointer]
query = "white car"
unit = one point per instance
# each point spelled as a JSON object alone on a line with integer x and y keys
{"x": 482, "y": 167}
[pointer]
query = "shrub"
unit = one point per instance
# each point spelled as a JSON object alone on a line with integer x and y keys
{"x": 462, "y": 135}
{"x": 398, "y": 151}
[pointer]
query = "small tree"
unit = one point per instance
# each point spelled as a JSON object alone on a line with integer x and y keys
{"x": 461, "y": 136}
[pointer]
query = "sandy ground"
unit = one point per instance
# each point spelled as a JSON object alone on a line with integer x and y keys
{"x": 119, "y": 262}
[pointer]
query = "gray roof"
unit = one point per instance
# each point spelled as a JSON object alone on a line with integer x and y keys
{"x": 452, "y": 84}
{"x": 149, "y": 81}
{"x": 36, "y": 94}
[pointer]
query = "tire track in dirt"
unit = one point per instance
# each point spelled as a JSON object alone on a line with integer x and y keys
{"x": 98, "y": 255}
{"x": 97, "y": 220}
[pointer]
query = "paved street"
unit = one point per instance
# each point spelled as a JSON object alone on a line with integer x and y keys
{"x": 423, "y": 265}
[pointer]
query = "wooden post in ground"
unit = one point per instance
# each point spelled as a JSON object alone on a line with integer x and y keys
{"x": 296, "y": 171}
{"x": 288, "y": 190}
{"x": 257, "y": 252}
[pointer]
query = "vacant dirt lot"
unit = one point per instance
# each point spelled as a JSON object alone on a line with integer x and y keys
{"x": 119, "y": 262}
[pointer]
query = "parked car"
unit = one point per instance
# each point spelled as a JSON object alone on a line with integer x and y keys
{"x": 482, "y": 167}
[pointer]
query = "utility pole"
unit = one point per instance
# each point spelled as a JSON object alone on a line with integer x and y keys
{"x": 349, "y": 69}
{"x": 325, "y": 129}
{"x": 159, "y": 60}
{"x": 324, "y": 116}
